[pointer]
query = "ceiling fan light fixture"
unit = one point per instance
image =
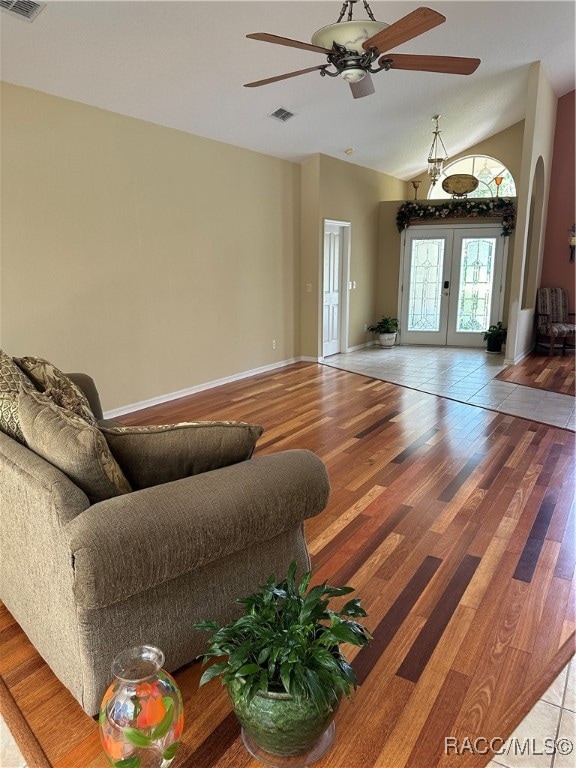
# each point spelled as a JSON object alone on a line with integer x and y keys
{"x": 347, "y": 34}
{"x": 357, "y": 49}
{"x": 353, "y": 74}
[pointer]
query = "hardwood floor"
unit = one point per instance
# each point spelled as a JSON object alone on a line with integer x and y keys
{"x": 554, "y": 374}
{"x": 456, "y": 527}
{"x": 454, "y": 524}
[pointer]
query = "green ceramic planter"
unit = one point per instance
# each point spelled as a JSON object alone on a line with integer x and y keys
{"x": 280, "y": 725}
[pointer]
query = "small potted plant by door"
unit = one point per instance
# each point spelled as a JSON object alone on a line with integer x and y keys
{"x": 283, "y": 667}
{"x": 386, "y": 328}
{"x": 494, "y": 337}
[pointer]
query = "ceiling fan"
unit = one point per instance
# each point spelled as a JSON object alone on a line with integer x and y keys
{"x": 355, "y": 49}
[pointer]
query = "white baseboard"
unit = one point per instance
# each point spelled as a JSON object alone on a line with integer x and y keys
{"x": 352, "y": 349}
{"x": 518, "y": 358}
{"x": 113, "y": 414}
{"x": 362, "y": 346}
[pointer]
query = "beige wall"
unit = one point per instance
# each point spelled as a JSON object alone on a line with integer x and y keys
{"x": 153, "y": 259}
{"x": 336, "y": 189}
{"x": 537, "y": 153}
{"x": 388, "y": 277}
{"x": 311, "y": 247}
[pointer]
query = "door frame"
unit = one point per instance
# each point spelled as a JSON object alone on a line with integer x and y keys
{"x": 344, "y": 284}
{"x": 497, "y": 305}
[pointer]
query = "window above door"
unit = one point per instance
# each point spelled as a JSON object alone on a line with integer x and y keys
{"x": 485, "y": 169}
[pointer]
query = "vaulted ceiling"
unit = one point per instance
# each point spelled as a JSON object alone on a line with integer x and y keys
{"x": 184, "y": 64}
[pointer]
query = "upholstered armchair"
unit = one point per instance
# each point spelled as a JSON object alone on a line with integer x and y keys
{"x": 116, "y": 536}
{"x": 553, "y": 319}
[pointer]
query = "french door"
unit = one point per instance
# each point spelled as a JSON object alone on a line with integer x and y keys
{"x": 452, "y": 284}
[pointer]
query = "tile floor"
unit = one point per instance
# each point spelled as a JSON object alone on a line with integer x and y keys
{"x": 10, "y": 756}
{"x": 546, "y": 738}
{"x": 467, "y": 375}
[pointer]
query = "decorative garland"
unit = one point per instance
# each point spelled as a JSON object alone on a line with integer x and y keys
{"x": 458, "y": 209}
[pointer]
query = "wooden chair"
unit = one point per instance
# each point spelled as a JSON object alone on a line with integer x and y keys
{"x": 553, "y": 319}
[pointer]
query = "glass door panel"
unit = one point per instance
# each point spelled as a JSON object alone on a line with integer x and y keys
{"x": 426, "y": 285}
{"x": 426, "y": 269}
{"x": 474, "y": 271}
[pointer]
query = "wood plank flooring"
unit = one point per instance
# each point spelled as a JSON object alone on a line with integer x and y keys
{"x": 456, "y": 527}
{"x": 554, "y": 374}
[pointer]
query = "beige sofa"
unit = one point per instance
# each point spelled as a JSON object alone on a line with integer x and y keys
{"x": 87, "y": 579}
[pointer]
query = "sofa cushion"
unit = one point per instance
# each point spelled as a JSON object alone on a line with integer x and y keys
{"x": 68, "y": 442}
{"x": 60, "y": 388}
{"x": 12, "y": 380}
{"x": 159, "y": 454}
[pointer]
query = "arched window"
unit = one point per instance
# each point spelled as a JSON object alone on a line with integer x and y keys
{"x": 485, "y": 169}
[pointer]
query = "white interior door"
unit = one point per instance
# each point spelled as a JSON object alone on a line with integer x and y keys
{"x": 334, "y": 281}
{"x": 452, "y": 284}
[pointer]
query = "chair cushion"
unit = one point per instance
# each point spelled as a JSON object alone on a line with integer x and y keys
{"x": 558, "y": 329}
{"x": 53, "y": 382}
{"x": 152, "y": 455}
{"x": 12, "y": 380}
{"x": 70, "y": 443}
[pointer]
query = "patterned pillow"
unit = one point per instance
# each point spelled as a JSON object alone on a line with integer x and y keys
{"x": 12, "y": 380}
{"x": 77, "y": 448}
{"x": 159, "y": 454}
{"x": 56, "y": 385}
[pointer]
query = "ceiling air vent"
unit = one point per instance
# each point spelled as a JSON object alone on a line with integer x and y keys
{"x": 282, "y": 114}
{"x": 24, "y": 9}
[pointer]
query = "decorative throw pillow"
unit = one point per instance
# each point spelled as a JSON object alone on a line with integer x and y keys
{"x": 56, "y": 385}
{"x": 77, "y": 448}
{"x": 159, "y": 454}
{"x": 12, "y": 380}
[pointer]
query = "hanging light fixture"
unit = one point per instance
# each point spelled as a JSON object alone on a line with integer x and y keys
{"x": 437, "y": 155}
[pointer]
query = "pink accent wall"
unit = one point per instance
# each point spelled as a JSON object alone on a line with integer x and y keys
{"x": 557, "y": 270}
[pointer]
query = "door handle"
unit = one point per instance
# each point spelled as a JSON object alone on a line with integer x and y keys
{"x": 446, "y": 284}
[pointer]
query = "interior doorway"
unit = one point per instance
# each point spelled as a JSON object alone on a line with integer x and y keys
{"x": 451, "y": 284}
{"x": 336, "y": 261}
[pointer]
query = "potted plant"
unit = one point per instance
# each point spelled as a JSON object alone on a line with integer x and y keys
{"x": 386, "y": 328}
{"x": 495, "y": 336}
{"x": 283, "y": 667}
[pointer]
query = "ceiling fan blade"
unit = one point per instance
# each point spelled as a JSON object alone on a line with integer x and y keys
{"x": 364, "y": 87}
{"x": 451, "y": 65}
{"x": 266, "y": 38}
{"x": 257, "y": 83}
{"x": 412, "y": 25}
